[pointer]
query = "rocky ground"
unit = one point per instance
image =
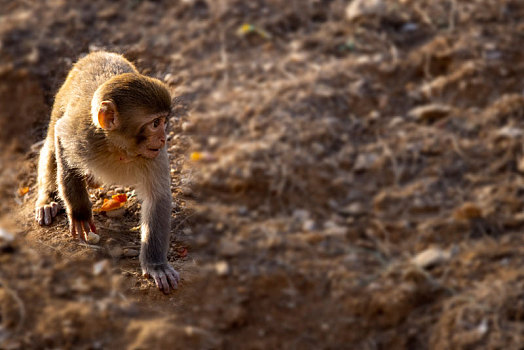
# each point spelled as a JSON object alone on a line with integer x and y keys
{"x": 346, "y": 175}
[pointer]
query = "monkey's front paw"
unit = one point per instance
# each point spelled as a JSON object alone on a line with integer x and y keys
{"x": 45, "y": 213}
{"x": 163, "y": 274}
{"x": 81, "y": 228}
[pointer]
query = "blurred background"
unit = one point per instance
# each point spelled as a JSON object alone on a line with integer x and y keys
{"x": 346, "y": 175}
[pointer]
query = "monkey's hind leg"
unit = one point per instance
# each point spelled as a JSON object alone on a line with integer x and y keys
{"x": 46, "y": 207}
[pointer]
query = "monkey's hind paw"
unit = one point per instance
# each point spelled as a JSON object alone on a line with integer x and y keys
{"x": 44, "y": 214}
{"x": 164, "y": 275}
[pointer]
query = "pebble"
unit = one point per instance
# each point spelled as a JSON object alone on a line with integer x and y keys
{"x": 187, "y": 126}
{"x": 131, "y": 253}
{"x": 116, "y": 252}
{"x": 354, "y": 209}
{"x": 430, "y": 112}
{"x": 509, "y": 132}
{"x": 430, "y": 257}
{"x": 360, "y": 8}
{"x": 6, "y": 235}
{"x": 93, "y": 238}
{"x": 242, "y": 210}
{"x": 222, "y": 268}
{"x": 99, "y": 267}
{"x": 365, "y": 162}
{"x": 212, "y": 141}
{"x": 80, "y": 285}
{"x": 520, "y": 165}
{"x": 309, "y": 225}
{"x": 409, "y": 27}
{"x": 118, "y": 213}
{"x": 229, "y": 248}
{"x": 301, "y": 214}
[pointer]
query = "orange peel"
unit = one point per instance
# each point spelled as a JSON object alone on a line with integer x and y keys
{"x": 117, "y": 201}
{"x": 23, "y": 191}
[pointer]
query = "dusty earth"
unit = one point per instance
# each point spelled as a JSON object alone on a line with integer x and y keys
{"x": 360, "y": 183}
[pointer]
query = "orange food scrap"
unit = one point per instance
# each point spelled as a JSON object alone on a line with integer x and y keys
{"x": 122, "y": 197}
{"x": 23, "y": 191}
{"x": 195, "y": 156}
{"x": 202, "y": 156}
{"x": 111, "y": 205}
{"x": 116, "y": 202}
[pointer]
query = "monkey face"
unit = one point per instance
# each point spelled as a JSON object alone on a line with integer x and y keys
{"x": 151, "y": 137}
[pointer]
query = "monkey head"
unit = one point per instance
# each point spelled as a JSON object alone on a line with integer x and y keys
{"x": 133, "y": 111}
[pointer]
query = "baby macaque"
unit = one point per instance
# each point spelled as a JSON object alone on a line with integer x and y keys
{"x": 109, "y": 124}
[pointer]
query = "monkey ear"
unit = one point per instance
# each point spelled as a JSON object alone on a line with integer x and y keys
{"x": 108, "y": 116}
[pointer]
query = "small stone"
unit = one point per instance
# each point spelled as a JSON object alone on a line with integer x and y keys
{"x": 309, "y": 225}
{"x": 186, "y": 190}
{"x": 80, "y": 285}
{"x": 361, "y": 8}
{"x": 212, "y": 141}
{"x": 301, "y": 214}
{"x": 117, "y": 213}
{"x": 99, "y": 267}
{"x": 430, "y": 112}
{"x": 202, "y": 241}
{"x": 93, "y": 238}
{"x": 354, "y": 209}
{"x": 222, "y": 268}
{"x": 229, "y": 248}
{"x": 116, "y": 251}
{"x": 187, "y": 126}
{"x": 409, "y": 27}
{"x": 242, "y": 210}
{"x": 131, "y": 253}
{"x": 430, "y": 257}
{"x": 108, "y": 12}
{"x": 395, "y": 121}
{"x": 520, "y": 165}
{"x": 6, "y": 235}
{"x": 509, "y": 132}
{"x": 336, "y": 231}
{"x": 365, "y": 162}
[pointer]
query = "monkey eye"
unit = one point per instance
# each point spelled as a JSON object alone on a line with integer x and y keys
{"x": 156, "y": 122}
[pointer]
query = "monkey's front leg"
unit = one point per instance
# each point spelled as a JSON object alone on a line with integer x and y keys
{"x": 46, "y": 207}
{"x": 155, "y": 229}
{"x": 73, "y": 191}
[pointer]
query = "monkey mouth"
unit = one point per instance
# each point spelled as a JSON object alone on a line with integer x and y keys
{"x": 151, "y": 152}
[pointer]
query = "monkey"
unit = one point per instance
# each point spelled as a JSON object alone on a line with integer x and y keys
{"x": 108, "y": 124}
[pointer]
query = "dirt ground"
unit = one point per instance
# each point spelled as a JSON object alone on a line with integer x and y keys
{"x": 360, "y": 182}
